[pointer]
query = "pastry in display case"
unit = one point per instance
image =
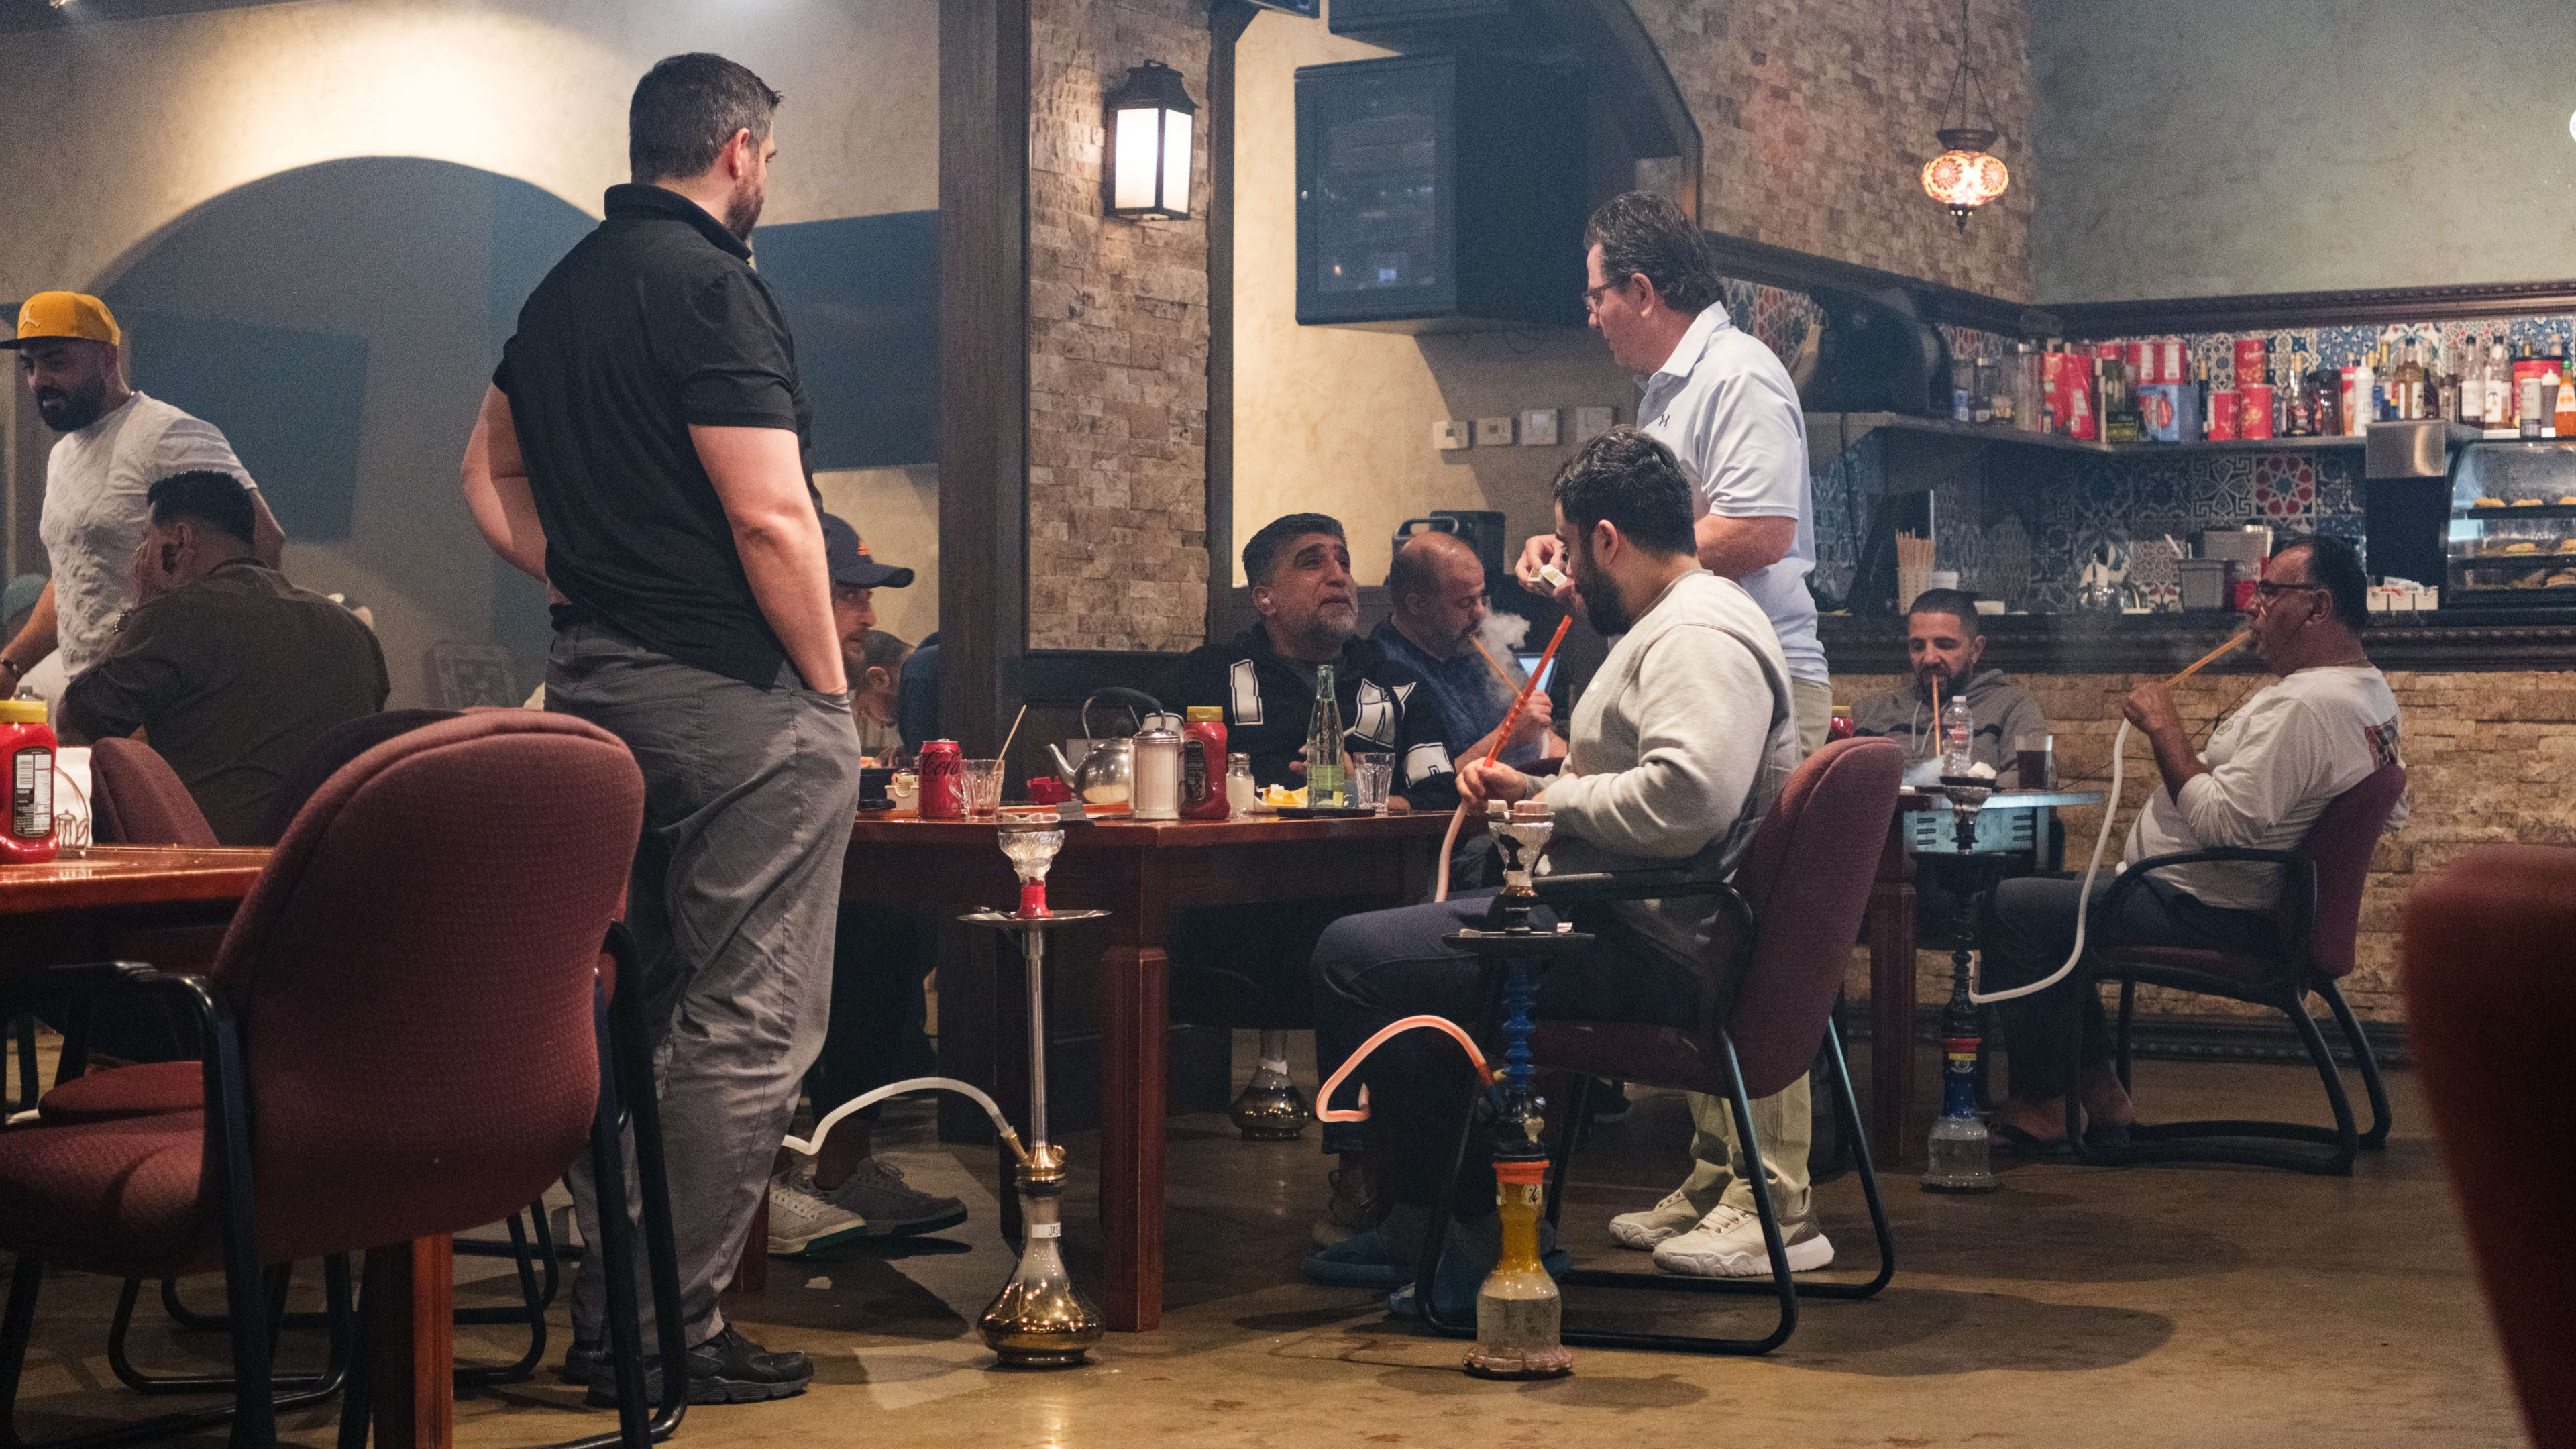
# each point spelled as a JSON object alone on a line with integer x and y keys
{"x": 2513, "y": 522}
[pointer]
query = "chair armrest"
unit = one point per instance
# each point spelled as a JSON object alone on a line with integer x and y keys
{"x": 2296, "y": 910}
{"x": 1542, "y": 768}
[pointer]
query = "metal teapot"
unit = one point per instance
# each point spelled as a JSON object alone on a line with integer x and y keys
{"x": 1102, "y": 770}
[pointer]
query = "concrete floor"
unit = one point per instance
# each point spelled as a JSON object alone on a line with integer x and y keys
{"x": 2146, "y": 1306}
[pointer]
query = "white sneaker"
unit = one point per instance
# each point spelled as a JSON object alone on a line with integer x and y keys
{"x": 1643, "y": 1230}
{"x": 800, "y": 1222}
{"x": 1728, "y": 1244}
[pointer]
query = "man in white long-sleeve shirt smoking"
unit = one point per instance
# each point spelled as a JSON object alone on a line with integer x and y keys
{"x": 1680, "y": 743}
{"x": 2326, "y": 725}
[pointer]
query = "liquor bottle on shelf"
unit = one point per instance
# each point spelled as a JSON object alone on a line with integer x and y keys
{"x": 2325, "y": 384}
{"x": 2409, "y": 389}
{"x": 2472, "y": 403}
{"x": 2499, "y": 396}
{"x": 2295, "y": 397}
{"x": 2365, "y": 396}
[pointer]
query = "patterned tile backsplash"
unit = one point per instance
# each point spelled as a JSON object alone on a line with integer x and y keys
{"x": 2021, "y": 538}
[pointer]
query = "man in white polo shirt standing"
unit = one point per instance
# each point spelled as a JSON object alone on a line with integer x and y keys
{"x": 1725, "y": 406}
{"x": 116, "y": 443}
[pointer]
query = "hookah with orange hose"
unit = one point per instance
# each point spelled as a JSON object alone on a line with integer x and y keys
{"x": 1519, "y": 1312}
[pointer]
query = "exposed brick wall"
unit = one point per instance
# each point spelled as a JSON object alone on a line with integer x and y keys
{"x": 1816, "y": 117}
{"x": 1118, "y": 345}
{"x": 2490, "y": 758}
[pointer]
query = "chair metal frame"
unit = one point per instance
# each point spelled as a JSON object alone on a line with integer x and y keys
{"x": 1784, "y": 1287}
{"x": 2224, "y": 1139}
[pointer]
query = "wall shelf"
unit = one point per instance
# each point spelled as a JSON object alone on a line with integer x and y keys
{"x": 1849, "y": 428}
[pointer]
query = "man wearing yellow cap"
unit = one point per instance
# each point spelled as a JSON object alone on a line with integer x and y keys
{"x": 116, "y": 443}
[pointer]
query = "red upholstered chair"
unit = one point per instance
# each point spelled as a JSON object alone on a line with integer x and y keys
{"x": 1775, "y": 967}
{"x": 136, "y": 799}
{"x": 2490, "y": 979}
{"x": 402, "y": 1041}
{"x": 2320, "y": 913}
{"x": 323, "y": 758}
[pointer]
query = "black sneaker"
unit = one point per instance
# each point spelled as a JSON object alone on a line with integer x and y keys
{"x": 726, "y": 1369}
{"x": 583, "y": 1360}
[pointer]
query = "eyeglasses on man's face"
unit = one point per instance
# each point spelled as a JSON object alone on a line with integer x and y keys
{"x": 1592, "y": 295}
{"x": 2267, "y": 591}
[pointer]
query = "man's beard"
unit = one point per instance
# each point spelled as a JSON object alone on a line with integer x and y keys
{"x": 742, "y": 209}
{"x": 70, "y": 411}
{"x": 1923, "y": 680}
{"x": 1609, "y": 617}
{"x": 1329, "y": 632}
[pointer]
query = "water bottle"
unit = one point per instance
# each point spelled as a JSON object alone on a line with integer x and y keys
{"x": 1958, "y": 734}
{"x": 1324, "y": 788}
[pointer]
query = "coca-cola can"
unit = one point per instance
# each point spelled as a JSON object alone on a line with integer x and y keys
{"x": 2173, "y": 368}
{"x": 2141, "y": 358}
{"x": 943, "y": 781}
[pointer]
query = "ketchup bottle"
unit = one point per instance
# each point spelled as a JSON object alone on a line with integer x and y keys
{"x": 1203, "y": 764}
{"x": 27, "y": 746}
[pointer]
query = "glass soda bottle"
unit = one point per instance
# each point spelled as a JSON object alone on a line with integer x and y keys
{"x": 1325, "y": 789}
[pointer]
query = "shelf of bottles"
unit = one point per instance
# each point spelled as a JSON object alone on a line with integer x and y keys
{"x": 2146, "y": 396}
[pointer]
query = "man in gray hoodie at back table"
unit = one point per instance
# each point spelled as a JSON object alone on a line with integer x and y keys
{"x": 1944, "y": 642}
{"x": 1680, "y": 743}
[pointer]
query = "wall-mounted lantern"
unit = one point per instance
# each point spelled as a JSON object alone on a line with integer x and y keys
{"x": 1149, "y": 144}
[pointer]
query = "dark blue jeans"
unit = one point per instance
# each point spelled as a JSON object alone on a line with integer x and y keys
{"x": 2029, "y": 928}
{"x": 1375, "y": 968}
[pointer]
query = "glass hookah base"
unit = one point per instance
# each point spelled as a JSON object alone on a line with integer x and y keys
{"x": 1520, "y": 1329}
{"x": 1271, "y": 1109}
{"x": 1959, "y": 1161}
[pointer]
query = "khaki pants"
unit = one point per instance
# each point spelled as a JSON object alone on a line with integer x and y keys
{"x": 1782, "y": 1122}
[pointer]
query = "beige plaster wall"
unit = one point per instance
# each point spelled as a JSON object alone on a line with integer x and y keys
{"x": 144, "y": 120}
{"x": 2490, "y": 758}
{"x": 1339, "y": 420}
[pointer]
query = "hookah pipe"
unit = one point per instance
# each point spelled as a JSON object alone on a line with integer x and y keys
{"x": 1518, "y": 1308}
{"x": 1520, "y": 702}
{"x": 2110, "y": 807}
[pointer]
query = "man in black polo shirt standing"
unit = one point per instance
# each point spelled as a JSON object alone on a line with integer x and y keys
{"x": 641, "y": 450}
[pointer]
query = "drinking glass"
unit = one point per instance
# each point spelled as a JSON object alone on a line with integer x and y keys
{"x": 2032, "y": 755}
{"x": 1371, "y": 775}
{"x": 983, "y": 787}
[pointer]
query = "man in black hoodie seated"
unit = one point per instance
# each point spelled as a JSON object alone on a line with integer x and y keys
{"x": 1245, "y": 966}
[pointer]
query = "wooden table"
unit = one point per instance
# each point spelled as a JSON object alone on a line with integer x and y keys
{"x": 78, "y": 909}
{"x": 1887, "y": 929}
{"x": 1140, "y": 874}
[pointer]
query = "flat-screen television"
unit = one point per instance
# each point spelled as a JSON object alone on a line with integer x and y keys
{"x": 1440, "y": 193}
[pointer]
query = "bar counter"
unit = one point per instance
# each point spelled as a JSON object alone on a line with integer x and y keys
{"x": 2447, "y": 640}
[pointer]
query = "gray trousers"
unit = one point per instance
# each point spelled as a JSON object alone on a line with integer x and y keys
{"x": 748, "y": 799}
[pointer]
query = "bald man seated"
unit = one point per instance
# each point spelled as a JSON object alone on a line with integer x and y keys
{"x": 1436, "y": 588}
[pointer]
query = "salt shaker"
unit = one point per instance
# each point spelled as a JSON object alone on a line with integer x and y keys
{"x": 1240, "y": 796}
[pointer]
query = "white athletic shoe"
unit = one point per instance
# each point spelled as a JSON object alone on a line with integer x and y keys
{"x": 800, "y": 1222}
{"x": 1643, "y": 1230}
{"x": 1728, "y": 1244}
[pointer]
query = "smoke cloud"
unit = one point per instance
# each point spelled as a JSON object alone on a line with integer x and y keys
{"x": 1501, "y": 636}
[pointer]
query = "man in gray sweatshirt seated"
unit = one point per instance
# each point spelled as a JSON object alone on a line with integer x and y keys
{"x": 1680, "y": 743}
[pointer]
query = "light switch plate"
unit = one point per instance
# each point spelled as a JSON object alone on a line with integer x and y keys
{"x": 1590, "y": 423}
{"x": 1538, "y": 427}
{"x": 1493, "y": 432}
{"x": 1452, "y": 433}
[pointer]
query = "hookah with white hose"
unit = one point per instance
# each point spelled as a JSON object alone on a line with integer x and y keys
{"x": 1958, "y": 1145}
{"x": 1039, "y": 1319}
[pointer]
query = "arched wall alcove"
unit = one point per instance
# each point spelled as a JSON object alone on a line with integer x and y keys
{"x": 339, "y": 322}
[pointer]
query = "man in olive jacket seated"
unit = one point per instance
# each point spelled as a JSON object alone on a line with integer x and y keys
{"x": 230, "y": 671}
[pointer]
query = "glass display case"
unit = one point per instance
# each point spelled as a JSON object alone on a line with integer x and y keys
{"x": 2513, "y": 522}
